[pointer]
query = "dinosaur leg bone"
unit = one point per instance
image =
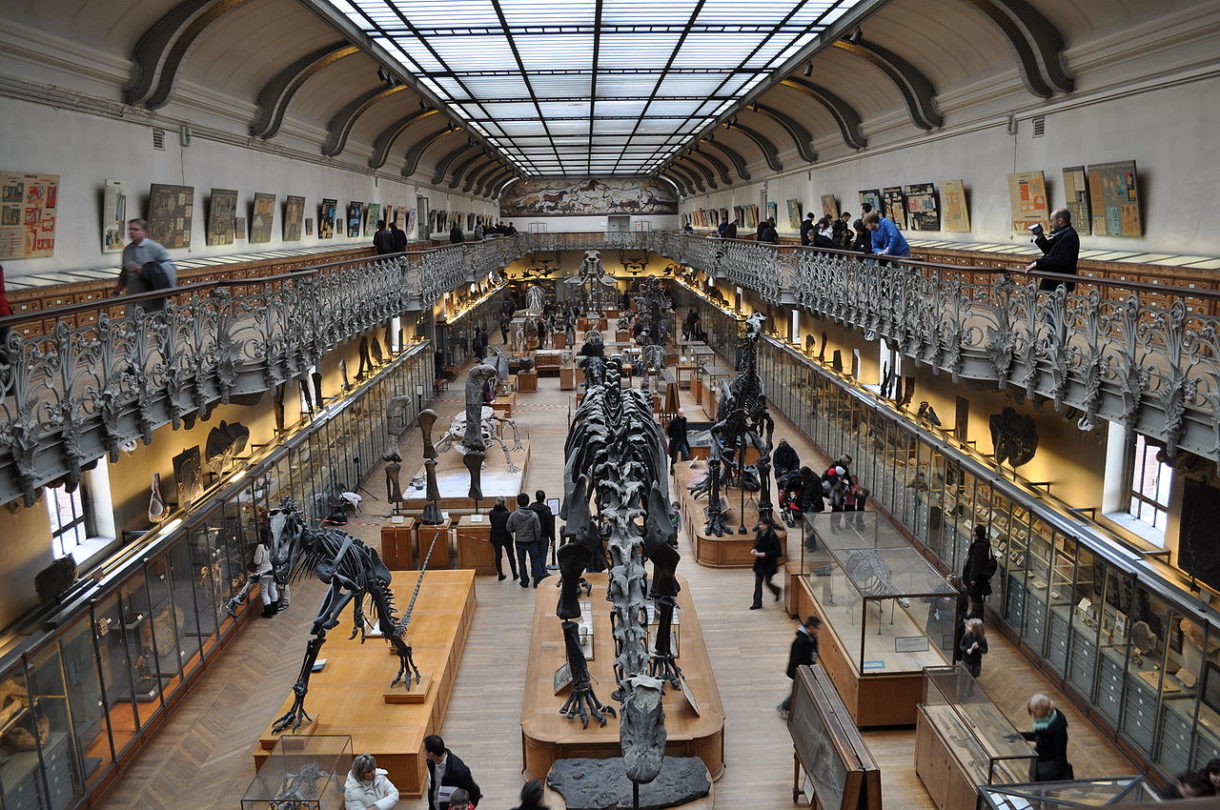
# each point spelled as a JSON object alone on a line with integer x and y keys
{"x": 336, "y": 600}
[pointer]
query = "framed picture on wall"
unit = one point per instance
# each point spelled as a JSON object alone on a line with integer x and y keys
{"x": 895, "y": 206}
{"x": 871, "y": 196}
{"x": 114, "y": 216}
{"x": 1028, "y": 201}
{"x": 170, "y": 213}
{"x": 355, "y": 211}
{"x": 294, "y": 214}
{"x": 371, "y": 215}
{"x": 326, "y": 218}
{"x": 1114, "y": 198}
{"x": 309, "y": 226}
{"x": 830, "y": 206}
{"x": 795, "y": 213}
{"x": 956, "y": 217}
{"x": 1076, "y": 190}
{"x": 922, "y": 209}
{"x": 773, "y": 210}
{"x": 222, "y": 213}
{"x": 263, "y": 219}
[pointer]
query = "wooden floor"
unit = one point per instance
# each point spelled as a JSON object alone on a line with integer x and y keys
{"x": 201, "y": 759}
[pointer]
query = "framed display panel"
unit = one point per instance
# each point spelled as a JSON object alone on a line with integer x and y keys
{"x": 830, "y": 206}
{"x": 29, "y": 207}
{"x": 222, "y": 215}
{"x": 355, "y": 211}
{"x": 895, "y": 206}
{"x": 294, "y": 214}
{"x": 170, "y": 212}
{"x": 1028, "y": 201}
{"x": 795, "y": 212}
{"x": 923, "y": 211}
{"x": 871, "y": 196}
{"x": 370, "y": 218}
{"x": 955, "y": 211}
{"x": 326, "y": 218}
{"x": 114, "y": 216}
{"x": 829, "y": 748}
{"x": 1076, "y": 194}
{"x": 262, "y": 218}
{"x": 1114, "y": 198}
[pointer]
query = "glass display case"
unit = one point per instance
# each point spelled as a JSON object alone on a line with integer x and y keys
{"x": 986, "y": 747}
{"x": 880, "y": 596}
{"x": 1125, "y": 791}
{"x": 1065, "y": 592}
{"x": 304, "y": 773}
{"x": 77, "y": 691}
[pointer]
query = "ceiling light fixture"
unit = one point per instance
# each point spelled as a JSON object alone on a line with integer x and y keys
{"x": 808, "y": 71}
{"x": 382, "y": 75}
{"x": 855, "y": 36}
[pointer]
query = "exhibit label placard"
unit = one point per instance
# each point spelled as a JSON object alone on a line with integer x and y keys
{"x": 953, "y": 204}
{"x": 170, "y": 211}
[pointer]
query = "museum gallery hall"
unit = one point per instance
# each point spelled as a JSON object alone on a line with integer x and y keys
{"x": 601, "y": 403}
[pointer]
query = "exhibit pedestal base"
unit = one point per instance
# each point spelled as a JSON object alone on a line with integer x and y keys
{"x": 349, "y": 696}
{"x": 453, "y": 479}
{"x": 732, "y": 549}
{"x": 547, "y": 736}
{"x": 418, "y": 693}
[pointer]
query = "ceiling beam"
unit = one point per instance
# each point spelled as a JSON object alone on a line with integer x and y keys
{"x": 275, "y": 95}
{"x": 916, "y": 89}
{"x": 342, "y": 122}
{"x": 732, "y": 154}
{"x": 1037, "y": 43}
{"x": 795, "y": 129}
{"x": 693, "y": 181}
{"x": 460, "y": 169}
{"x": 699, "y": 167}
{"x": 716, "y": 163}
{"x": 676, "y": 179}
{"x": 419, "y": 147}
{"x": 843, "y": 113}
{"x": 764, "y": 144}
{"x": 476, "y": 171}
{"x": 384, "y": 141}
{"x": 161, "y": 50}
{"x": 442, "y": 165}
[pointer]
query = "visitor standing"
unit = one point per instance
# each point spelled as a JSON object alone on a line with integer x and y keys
{"x": 400, "y": 237}
{"x": 383, "y": 240}
{"x": 501, "y": 537}
{"x": 807, "y": 229}
{"x": 455, "y": 235}
{"x": 973, "y": 645}
{"x": 526, "y": 529}
{"x": 368, "y": 787}
{"x": 767, "y": 233}
{"x": 679, "y": 441}
{"x": 979, "y": 568}
{"x": 1060, "y": 250}
{"x": 802, "y": 653}
{"x": 1050, "y": 739}
{"x": 146, "y": 266}
{"x": 446, "y": 770}
{"x": 546, "y": 520}
{"x": 731, "y": 231}
{"x": 766, "y": 553}
{"x": 785, "y": 459}
{"x": 266, "y": 579}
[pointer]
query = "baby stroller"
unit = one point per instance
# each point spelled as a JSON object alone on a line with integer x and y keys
{"x": 789, "y": 490}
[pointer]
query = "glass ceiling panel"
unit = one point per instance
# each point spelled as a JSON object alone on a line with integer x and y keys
{"x": 526, "y": 73}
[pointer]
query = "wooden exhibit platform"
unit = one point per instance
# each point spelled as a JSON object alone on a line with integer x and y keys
{"x": 881, "y": 699}
{"x": 351, "y": 694}
{"x": 553, "y": 801}
{"x": 453, "y": 479}
{"x": 546, "y": 736}
{"x": 732, "y": 549}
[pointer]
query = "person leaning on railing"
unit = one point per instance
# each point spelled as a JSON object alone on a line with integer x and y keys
{"x": 1060, "y": 250}
{"x": 887, "y": 239}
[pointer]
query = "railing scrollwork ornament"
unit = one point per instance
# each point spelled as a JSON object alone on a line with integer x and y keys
{"x": 1094, "y": 363}
{"x": 1002, "y": 339}
{"x": 1132, "y": 375}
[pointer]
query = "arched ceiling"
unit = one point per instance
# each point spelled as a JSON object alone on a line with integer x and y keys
{"x": 236, "y": 48}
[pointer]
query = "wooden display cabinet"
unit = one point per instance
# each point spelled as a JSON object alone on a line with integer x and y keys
{"x": 398, "y": 544}
{"x": 441, "y": 557}
{"x": 474, "y": 548}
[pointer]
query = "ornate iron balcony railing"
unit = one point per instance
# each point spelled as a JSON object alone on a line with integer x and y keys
{"x": 1142, "y": 355}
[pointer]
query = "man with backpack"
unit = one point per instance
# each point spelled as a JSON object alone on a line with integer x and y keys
{"x": 980, "y": 567}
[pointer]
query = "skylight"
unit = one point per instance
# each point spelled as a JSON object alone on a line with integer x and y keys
{"x": 533, "y": 75}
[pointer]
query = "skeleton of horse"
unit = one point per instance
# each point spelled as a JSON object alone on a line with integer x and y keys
{"x": 742, "y": 421}
{"x": 615, "y": 454}
{"x": 454, "y": 436}
{"x": 353, "y": 572}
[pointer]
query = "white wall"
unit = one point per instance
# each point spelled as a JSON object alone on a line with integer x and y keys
{"x": 1168, "y": 130}
{"x": 85, "y": 150}
{"x": 657, "y": 222}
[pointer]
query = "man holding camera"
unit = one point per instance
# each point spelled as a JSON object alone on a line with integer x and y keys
{"x": 1060, "y": 250}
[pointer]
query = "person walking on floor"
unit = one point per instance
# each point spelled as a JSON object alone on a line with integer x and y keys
{"x": 547, "y": 520}
{"x": 526, "y": 529}
{"x": 679, "y": 441}
{"x": 368, "y": 787}
{"x": 501, "y": 537}
{"x": 445, "y": 770}
{"x": 766, "y": 553}
{"x": 973, "y": 645}
{"x": 803, "y": 653}
{"x": 531, "y": 796}
{"x": 266, "y": 579}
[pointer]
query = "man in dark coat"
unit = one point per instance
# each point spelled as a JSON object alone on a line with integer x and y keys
{"x": 383, "y": 240}
{"x": 730, "y": 232}
{"x": 679, "y": 442}
{"x": 547, "y": 518}
{"x": 804, "y": 652}
{"x": 766, "y": 552}
{"x": 807, "y": 229}
{"x": 1060, "y": 250}
{"x": 399, "y": 236}
{"x": 767, "y": 233}
{"x": 974, "y": 574}
{"x": 501, "y": 537}
{"x": 446, "y": 770}
{"x": 786, "y": 459}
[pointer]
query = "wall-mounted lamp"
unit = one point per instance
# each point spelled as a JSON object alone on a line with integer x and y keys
{"x": 808, "y": 71}
{"x": 855, "y": 36}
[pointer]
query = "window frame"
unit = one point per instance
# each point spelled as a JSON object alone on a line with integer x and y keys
{"x": 1135, "y": 501}
{"x": 81, "y": 526}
